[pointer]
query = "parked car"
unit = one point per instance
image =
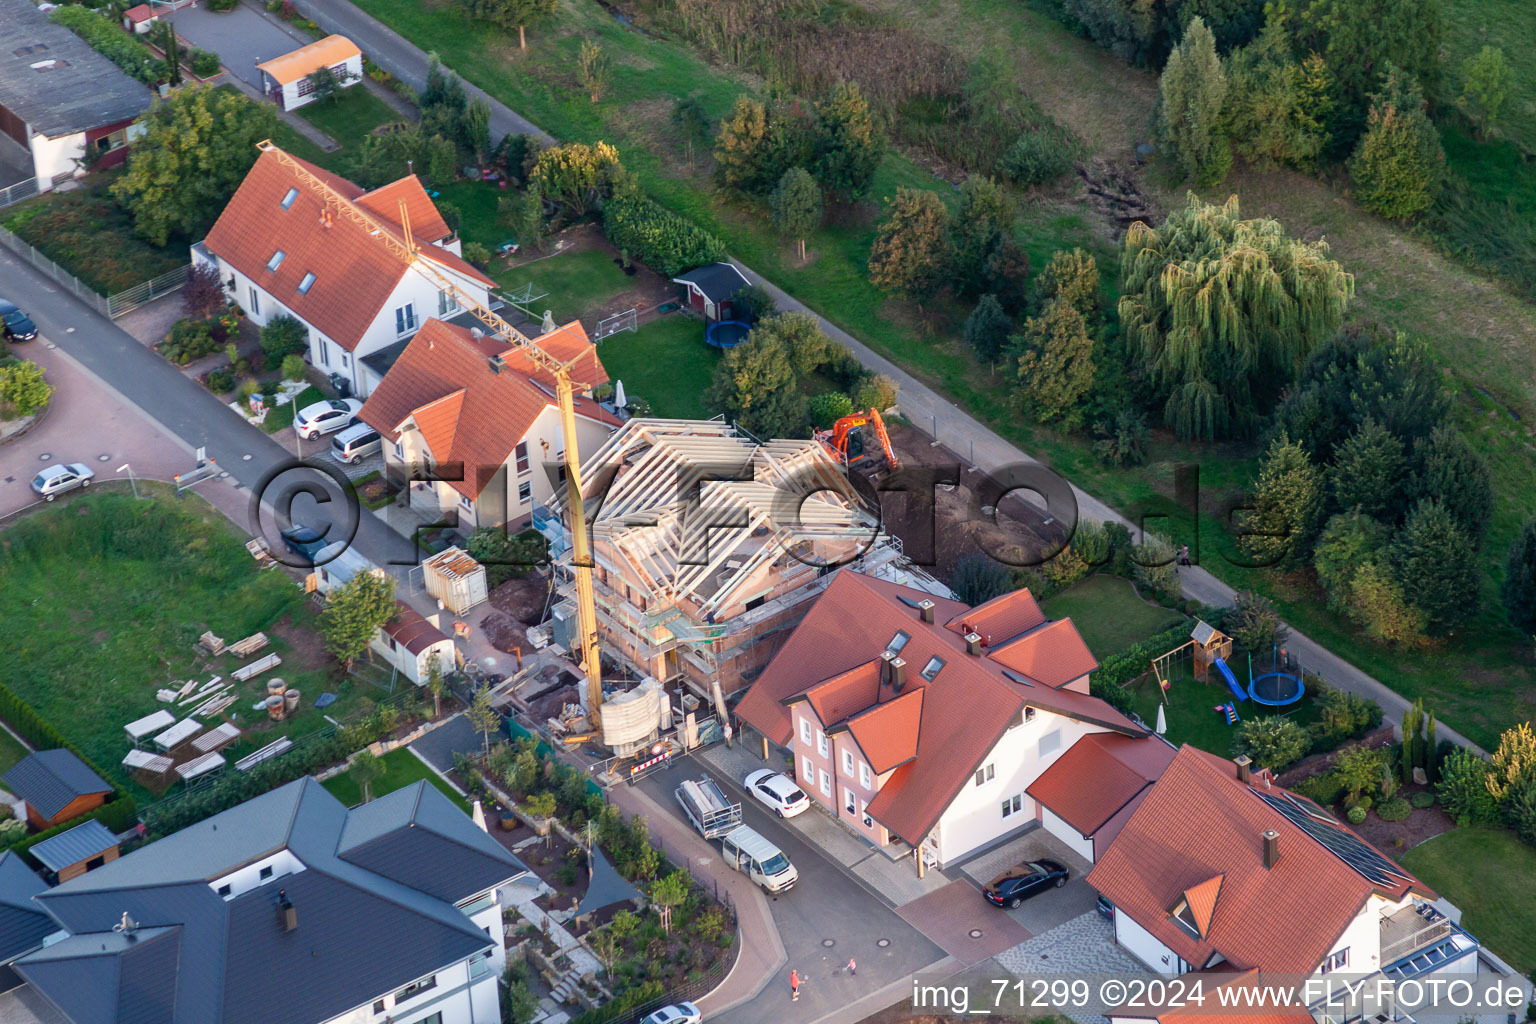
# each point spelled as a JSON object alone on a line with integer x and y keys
{"x": 355, "y": 443}
{"x": 14, "y": 324}
{"x": 326, "y": 417}
{"x": 304, "y": 541}
{"x": 778, "y": 791}
{"x": 1018, "y": 884}
{"x": 677, "y": 1013}
{"x": 55, "y": 480}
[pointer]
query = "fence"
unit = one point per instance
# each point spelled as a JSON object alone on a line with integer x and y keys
{"x": 111, "y": 306}
{"x": 12, "y": 194}
{"x": 139, "y": 294}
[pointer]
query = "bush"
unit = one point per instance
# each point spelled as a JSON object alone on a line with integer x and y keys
{"x": 127, "y": 52}
{"x": 1395, "y": 809}
{"x": 1254, "y": 623}
{"x": 477, "y": 254}
{"x": 189, "y": 340}
{"x": 1323, "y": 789}
{"x": 222, "y": 380}
{"x": 293, "y": 367}
{"x": 827, "y": 409}
{"x": 1039, "y": 155}
{"x": 505, "y": 556}
{"x": 1356, "y": 815}
{"x": 223, "y": 5}
{"x": 204, "y": 64}
{"x": 283, "y": 336}
{"x": 1121, "y": 439}
{"x": 1346, "y": 714}
{"x": 1422, "y": 799}
{"x": 876, "y": 391}
{"x": 1463, "y": 789}
{"x": 24, "y": 388}
{"x": 663, "y": 241}
{"x": 976, "y": 579}
{"x": 1272, "y": 742}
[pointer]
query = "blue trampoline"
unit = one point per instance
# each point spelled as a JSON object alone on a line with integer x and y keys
{"x": 1277, "y": 687}
{"x": 727, "y": 333}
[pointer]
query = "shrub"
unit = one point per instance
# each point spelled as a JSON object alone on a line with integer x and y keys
{"x": 1395, "y": 809}
{"x": 1356, "y": 815}
{"x": 1463, "y": 789}
{"x": 827, "y": 409}
{"x": 23, "y": 387}
{"x": 293, "y": 367}
{"x": 1324, "y": 789}
{"x": 283, "y": 336}
{"x": 189, "y": 340}
{"x": 222, "y": 380}
{"x": 506, "y": 556}
{"x": 1422, "y": 799}
{"x": 1136, "y": 660}
{"x": 223, "y": 5}
{"x": 1040, "y": 154}
{"x": 977, "y": 578}
{"x": 127, "y": 52}
{"x": 204, "y": 64}
{"x": 477, "y": 253}
{"x": 1153, "y": 565}
{"x": 1121, "y": 439}
{"x": 1254, "y": 623}
{"x": 1272, "y": 742}
{"x": 876, "y": 391}
{"x": 663, "y": 241}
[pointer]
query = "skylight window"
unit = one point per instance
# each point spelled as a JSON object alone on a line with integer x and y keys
{"x": 288, "y": 199}
{"x": 276, "y": 260}
{"x": 304, "y": 285}
{"x": 897, "y": 642}
{"x": 932, "y": 668}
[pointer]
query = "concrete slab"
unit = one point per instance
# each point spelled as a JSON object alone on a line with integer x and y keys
{"x": 962, "y": 923}
{"x": 242, "y": 38}
{"x": 1050, "y": 908}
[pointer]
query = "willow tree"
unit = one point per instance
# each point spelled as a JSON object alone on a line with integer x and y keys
{"x": 1221, "y": 312}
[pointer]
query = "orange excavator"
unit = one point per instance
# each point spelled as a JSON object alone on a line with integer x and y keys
{"x": 837, "y": 440}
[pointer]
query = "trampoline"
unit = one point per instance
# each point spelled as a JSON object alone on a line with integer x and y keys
{"x": 727, "y": 333}
{"x": 1276, "y": 689}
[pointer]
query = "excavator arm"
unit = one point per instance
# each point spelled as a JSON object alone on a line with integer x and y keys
{"x": 836, "y": 439}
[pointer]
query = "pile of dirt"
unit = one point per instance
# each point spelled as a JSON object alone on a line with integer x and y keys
{"x": 523, "y": 599}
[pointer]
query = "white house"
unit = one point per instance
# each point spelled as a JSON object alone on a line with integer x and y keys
{"x": 287, "y": 77}
{"x": 286, "y": 909}
{"x": 409, "y": 642}
{"x": 283, "y": 248}
{"x": 60, "y": 100}
{"x": 471, "y": 426}
{"x": 918, "y": 719}
{"x": 1220, "y": 869}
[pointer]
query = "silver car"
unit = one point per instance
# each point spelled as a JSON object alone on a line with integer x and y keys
{"x": 326, "y": 417}
{"x": 55, "y": 480}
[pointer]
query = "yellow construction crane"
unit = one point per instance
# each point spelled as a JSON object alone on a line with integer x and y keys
{"x": 401, "y": 244}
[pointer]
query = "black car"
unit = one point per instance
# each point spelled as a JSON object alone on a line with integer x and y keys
{"x": 304, "y": 541}
{"x": 14, "y": 324}
{"x": 1016, "y": 885}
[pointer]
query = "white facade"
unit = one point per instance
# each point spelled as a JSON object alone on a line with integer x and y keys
{"x": 1146, "y": 947}
{"x": 415, "y": 667}
{"x": 1071, "y": 837}
{"x": 463, "y": 993}
{"x": 297, "y": 93}
{"x": 975, "y": 818}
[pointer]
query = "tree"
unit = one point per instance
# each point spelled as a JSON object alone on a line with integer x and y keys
{"x": 911, "y": 253}
{"x": 987, "y": 328}
{"x": 1348, "y": 541}
{"x": 476, "y": 129}
{"x": 1217, "y": 311}
{"x": 354, "y": 612}
{"x": 1272, "y": 742}
{"x": 1287, "y": 501}
{"x": 977, "y": 579}
{"x": 796, "y": 206}
{"x": 196, "y": 147}
{"x": 1519, "y": 587}
{"x": 1448, "y": 470}
{"x": 1358, "y": 771}
{"x": 829, "y": 407}
{"x": 592, "y": 66}
{"x": 1055, "y": 364}
{"x": 510, "y": 14}
{"x": 1073, "y": 276}
{"x": 24, "y": 388}
{"x": 848, "y": 142}
{"x": 1152, "y": 565}
{"x": 1192, "y": 90}
{"x": 1277, "y": 109}
{"x": 294, "y": 367}
{"x": 985, "y": 220}
{"x": 325, "y": 84}
{"x": 283, "y": 336}
{"x": 1254, "y": 623}
{"x": 436, "y": 684}
{"x": 365, "y": 771}
{"x": 670, "y": 891}
{"x": 1463, "y": 788}
{"x": 166, "y": 38}
{"x": 1399, "y": 164}
{"x": 576, "y": 175}
{"x": 1513, "y": 761}
{"x": 203, "y": 294}
{"x": 484, "y": 717}
{"x": 806, "y": 346}
{"x": 1486, "y": 88}
{"x": 743, "y": 149}
{"x": 754, "y": 385}
{"x": 518, "y": 1004}
{"x": 442, "y": 88}
{"x": 1376, "y": 602}
{"x": 692, "y": 123}
{"x": 1433, "y": 560}
{"x": 1367, "y": 471}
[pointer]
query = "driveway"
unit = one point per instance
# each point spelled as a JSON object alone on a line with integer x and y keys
{"x": 1051, "y": 908}
{"x": 242, "y": 38}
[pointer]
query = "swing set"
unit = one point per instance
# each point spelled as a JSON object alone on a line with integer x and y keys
{"x": 1206, "y": 646}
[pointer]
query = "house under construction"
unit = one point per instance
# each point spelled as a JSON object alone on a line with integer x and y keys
{"x": 709, "y": 545}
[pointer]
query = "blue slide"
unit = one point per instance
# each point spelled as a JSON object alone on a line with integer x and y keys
{"x": 1226, "y": 673}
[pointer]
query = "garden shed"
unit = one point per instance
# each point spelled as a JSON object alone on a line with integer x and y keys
{"x": 408, "y": 642}
{"x": 708, "y": 289}
{"x": 287, "y": 77}
{"x": 83, "y": 848}
{"x": 57, "y": 786}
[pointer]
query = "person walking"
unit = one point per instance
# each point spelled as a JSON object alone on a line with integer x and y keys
{"x": 853, "y": 968}
{"x": 794, "y": 985}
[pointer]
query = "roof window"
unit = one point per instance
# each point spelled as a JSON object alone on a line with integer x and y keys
{"x": 288, "y": 199}
{"x": 1184, "y": 916}
{"x": 276, "y": 260}
{"x": 307, "y": 283}
{"x": 898, "y": 642}
{"x": 932, "y": 668}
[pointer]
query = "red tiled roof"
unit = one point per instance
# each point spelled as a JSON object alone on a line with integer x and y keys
{"x": 1098, "y": 775}
{"x": 888, "y": 733}
{"x": 139, "y": 13}
{"x": 355, "y": 273}
{"x": 1002, "y": 618}
{"x": 1202, "y": 903}
{"x": 1199, "y": 821}
{"x": 384, "y": 203}
{"x": 410, "y": 630}
{"x": 969, "y": 707}
{"x": 468, "y": 414}
{"x": 1053, "y": 654}
{"x": 844, "y": 694}
{"x": 1261, "y": 1008}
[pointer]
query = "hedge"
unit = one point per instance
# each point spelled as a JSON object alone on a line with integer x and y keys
{"x": 659, "y": 238}
{"x": 136, "y": 60}
{"x": 117, "y": 815}
{"x": 1108, "y": 683}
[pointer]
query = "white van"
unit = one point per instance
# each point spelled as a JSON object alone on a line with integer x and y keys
{"x": 356, "y": 443}
{"x": 763, "y": 862}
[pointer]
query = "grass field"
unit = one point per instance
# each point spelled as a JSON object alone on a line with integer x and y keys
{"x": 1489, "y": 874}
{"x": 282, "y": 416}
{"x": 476, "y": 202}
{"x": 1469, "y": 25}
{"x": 102, "y": 600}
{"x": 401, "y": 768}
{"x": 355, "y": 113}
{"x": 576, "y": 283}
{"x": 1109, "y": 614}
{"x": 665, "y": 362}
{"x": 11, "y": 751}
{"x": 1191, "y": 713}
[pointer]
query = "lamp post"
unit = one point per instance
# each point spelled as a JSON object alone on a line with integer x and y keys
{"x": 135, "y": 484}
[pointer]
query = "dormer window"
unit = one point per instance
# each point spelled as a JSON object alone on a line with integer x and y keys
{"x": 288, "y": 199}
{"x": 307, "y": 283}
{"x": 276, "y": 260}
{"x": 1184, "y": 917}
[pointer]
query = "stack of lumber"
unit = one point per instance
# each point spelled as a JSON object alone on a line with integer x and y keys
{"x": 249, "y": 646}
{"x": 210, "y": 643}
{"x": 266, "y": 753}
{"x": 247, "y": 672}
{"x": 143, "y": 760}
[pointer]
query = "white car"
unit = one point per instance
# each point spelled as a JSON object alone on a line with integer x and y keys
{"x": 677, "y": 1013}
{"x": 326, "y": 417}
{"x": 55, "y": 480}
{"x": 778, "y": 791}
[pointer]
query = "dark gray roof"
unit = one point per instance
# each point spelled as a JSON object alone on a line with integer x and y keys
{"x": 84, "y": 90}
{"x": 111, "y": 978}
{"x": 23, "y": 925}
{"x": 380, "y": 360}
{"x": 360, "y": 932}
{"x": 71, "y": 847}
{"x": 718, "y": 281}
{"x": 49, "y": 779}
{"x": 608, "y": 886}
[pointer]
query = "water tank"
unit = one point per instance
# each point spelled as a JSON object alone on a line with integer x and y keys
{"x": 275, "y": 707}
{"x": 275, "y": 687}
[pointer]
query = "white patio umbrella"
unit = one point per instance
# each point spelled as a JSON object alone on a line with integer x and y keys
{"x": 1162, "y": 721}
{"x": 619, "y": 401}
{"x": 478, "y": 815}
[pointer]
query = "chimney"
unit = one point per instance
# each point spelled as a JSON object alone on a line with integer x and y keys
{"x": 973, "y": 644}
{"x": 290, "y": 915}
{"x": 497, "y": 363}
{"x": 925, "y": 610}
{"x": 886, "y": 657}
{"x": 1244, "y": 767}
{"x": 898, "y": 674}
{"x": 1271, "y": 848}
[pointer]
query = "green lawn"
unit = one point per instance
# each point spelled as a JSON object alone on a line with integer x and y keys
{"x": 1469, "y": 25}
{"x": 666, "y": 362}
{"x": 282, "y": 415}
{"x": 579, "y": 285}
{"x": 401, "y": 768}
{"x": 11, "y": 751}
{"x": 1109, "y": 614}
{"x": 476, "y": 202}
{"x": 1490, "y": 875}
{"x": 102, "y": 599}
{"x": 351, "y": 115}
{"x": 1191, "y": 708}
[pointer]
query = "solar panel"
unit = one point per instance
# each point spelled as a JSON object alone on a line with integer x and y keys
{"x": 1347, "y": 846}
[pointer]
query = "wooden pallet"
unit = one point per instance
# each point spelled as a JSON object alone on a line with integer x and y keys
{"x": 212, "y": 644}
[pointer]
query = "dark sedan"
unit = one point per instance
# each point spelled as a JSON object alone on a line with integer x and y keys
{"x": 1016, "y": 885}
{"x": 14, "y": 324}
{"x": 304, "y": 541}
